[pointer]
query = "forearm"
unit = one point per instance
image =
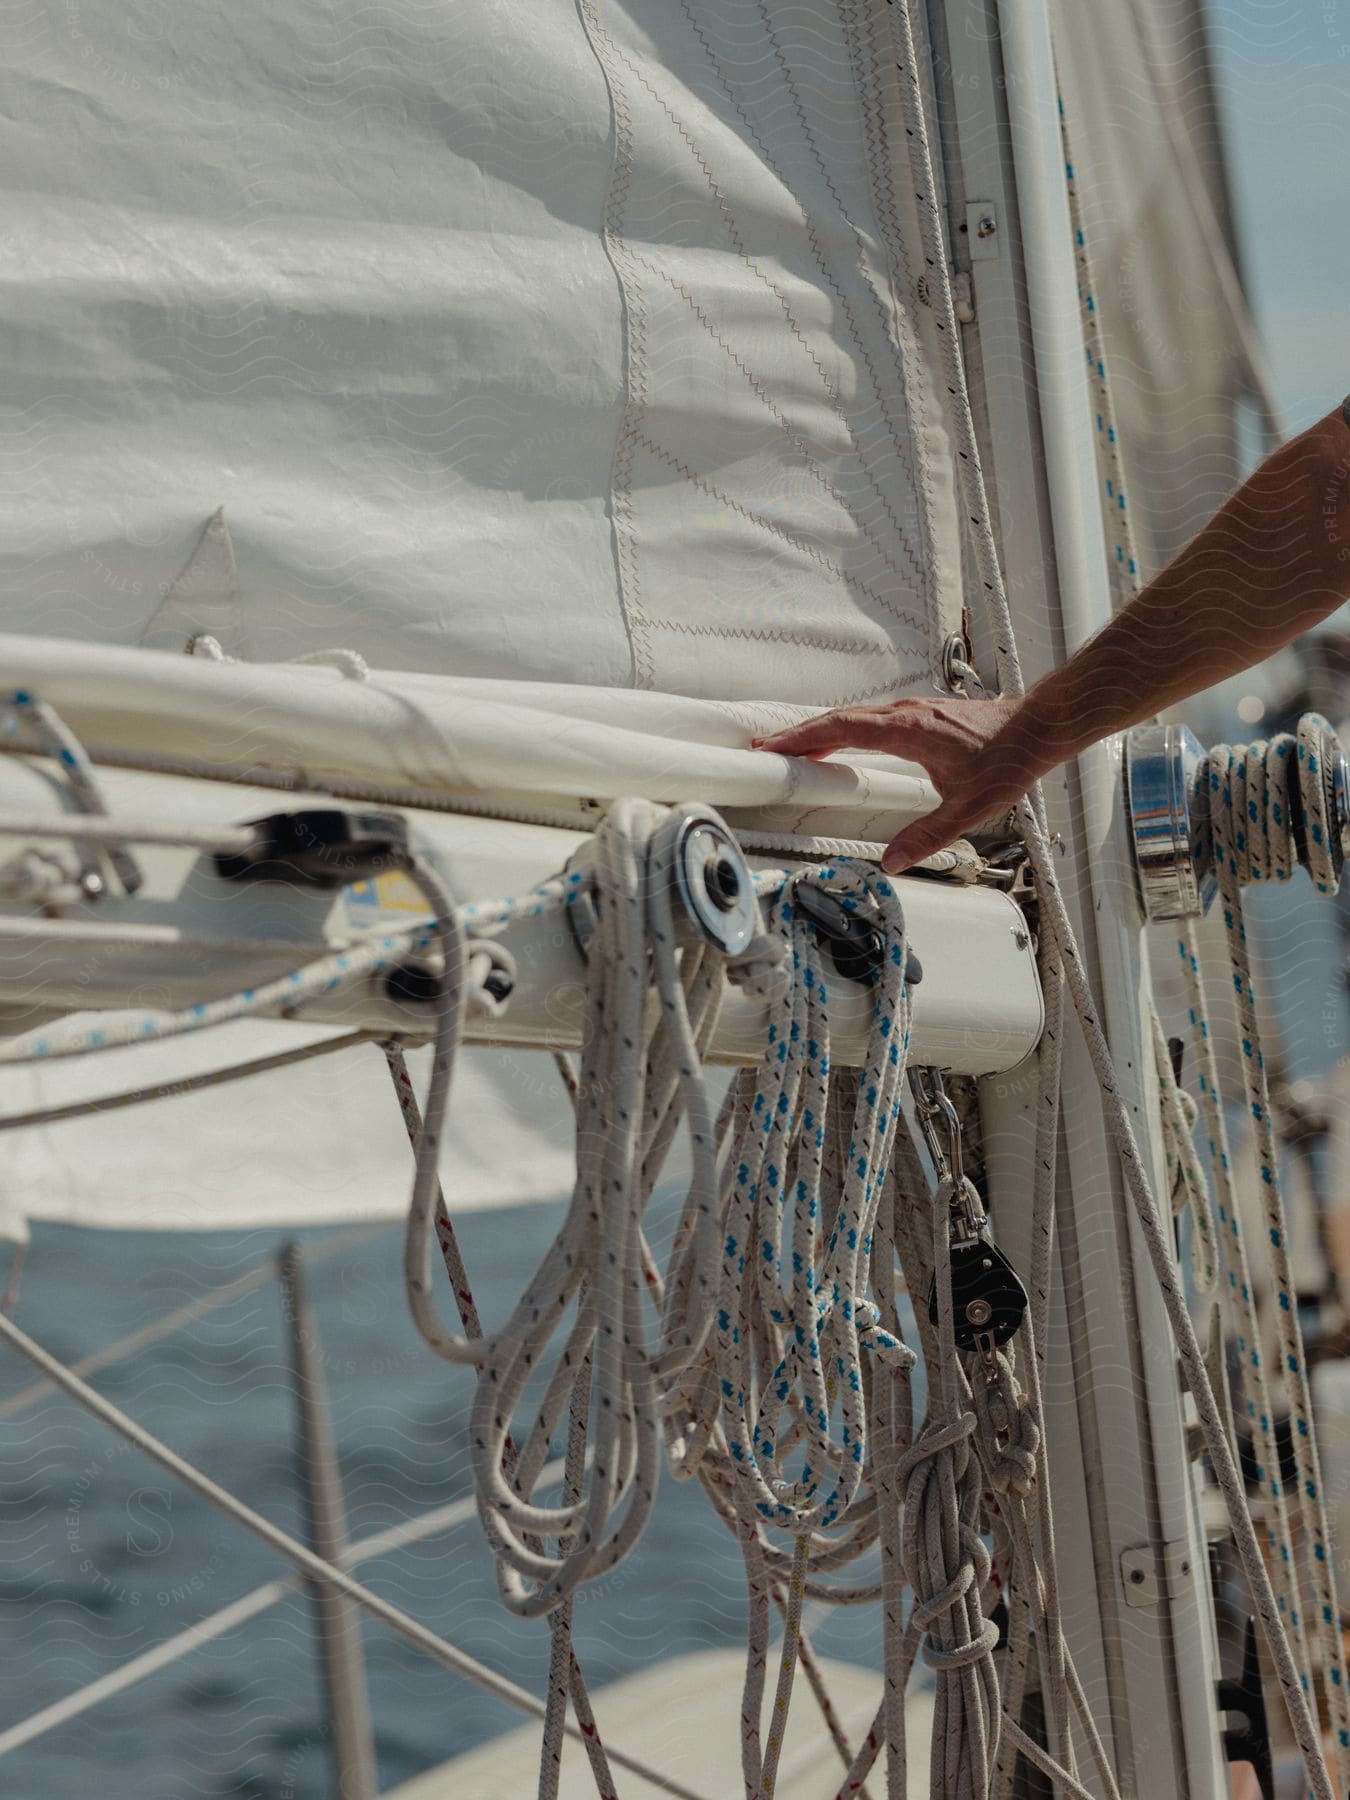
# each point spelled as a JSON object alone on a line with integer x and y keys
{"x": 1272, "y": 561}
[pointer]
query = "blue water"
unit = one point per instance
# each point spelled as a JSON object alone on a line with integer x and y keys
{"x": 105, "y": 1556}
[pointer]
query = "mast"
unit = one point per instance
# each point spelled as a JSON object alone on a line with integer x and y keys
{"x": 1124, "y": 1494}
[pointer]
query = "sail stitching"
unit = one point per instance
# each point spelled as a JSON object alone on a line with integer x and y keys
{"x": 822, "y": 262}
{"x": 634, "y": 434}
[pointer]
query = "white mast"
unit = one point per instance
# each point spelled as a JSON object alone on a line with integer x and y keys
{"x": 1119, "y": 1478}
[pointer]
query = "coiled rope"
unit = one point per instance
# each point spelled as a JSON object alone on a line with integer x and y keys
{"x": 1266, "y": 802}
{"x": 634, "y": 1087}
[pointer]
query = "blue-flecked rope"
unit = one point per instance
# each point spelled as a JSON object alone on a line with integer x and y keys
{"x": 322, "y": 976}
{"x": 1250, "y": 805}
{"x": 1116, "y": 517}
{"x": 794, "y": 1258}
{"x": 24, "y": 714}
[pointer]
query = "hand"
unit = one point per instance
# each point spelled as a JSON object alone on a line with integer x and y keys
{"x": 971, "y": 748}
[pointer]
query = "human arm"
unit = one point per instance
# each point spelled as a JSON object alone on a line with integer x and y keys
{"x": 1274, "y": 560}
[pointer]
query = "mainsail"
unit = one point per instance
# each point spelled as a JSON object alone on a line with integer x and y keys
{"x": 543, "y": 353}
{"x": 540, "y": 343}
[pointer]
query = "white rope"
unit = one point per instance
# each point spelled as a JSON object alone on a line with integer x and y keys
{"x": 1185, "y": 1177}
{"x": 350, "y": 662}
{"x": 1252, "y": 800}
{"x": 632, "y": 1094}
{"x": 565, "y": 1677}
{"x": 24, "y": 715}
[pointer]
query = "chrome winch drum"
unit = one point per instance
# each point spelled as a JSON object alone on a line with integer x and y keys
{"x": 1167, "y": 801}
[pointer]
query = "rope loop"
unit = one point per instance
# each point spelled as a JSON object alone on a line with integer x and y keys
{"x": 1271, "y": 806}
{"x": 1007, "y": 1431}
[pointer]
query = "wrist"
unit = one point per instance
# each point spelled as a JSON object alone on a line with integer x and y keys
{"x": 1037, "y": 736}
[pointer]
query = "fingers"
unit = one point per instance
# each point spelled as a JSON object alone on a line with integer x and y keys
{"x": 850, "y": 727}
{"x": 924, "y": 838}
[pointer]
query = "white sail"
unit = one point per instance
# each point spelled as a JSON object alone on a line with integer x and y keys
{"x": 508, "y": 346}
{"x": 541, "y": 343}
{"x": 1146, "y": 143}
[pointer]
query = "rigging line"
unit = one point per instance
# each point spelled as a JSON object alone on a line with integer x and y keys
{"x": 224, "y": 840}
{"x": 228, "y": 1617}
{"x": 787, "y": 1667}
{"x": 1031, "y": 817}
{"x": 420, "y": 1636}
{"x": 184, "y": 1084}
{"x": 1237, "y": 1297}
{"x": 156, "y": 1329}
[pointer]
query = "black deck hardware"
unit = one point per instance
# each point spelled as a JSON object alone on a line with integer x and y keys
{"x": 322, "y": 848}
{"x": 851, "y": 937}
{"x": 1249, "y": 1740}
{"x": 988, "y": 1299}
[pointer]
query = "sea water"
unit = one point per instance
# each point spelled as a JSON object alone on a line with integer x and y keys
{"x": 106, "y": 1556}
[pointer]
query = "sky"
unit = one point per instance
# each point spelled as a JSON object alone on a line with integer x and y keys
{"x": 1284, "y": 76}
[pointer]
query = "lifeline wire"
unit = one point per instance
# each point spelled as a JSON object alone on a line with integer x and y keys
{"x": 316, "y": 1568}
